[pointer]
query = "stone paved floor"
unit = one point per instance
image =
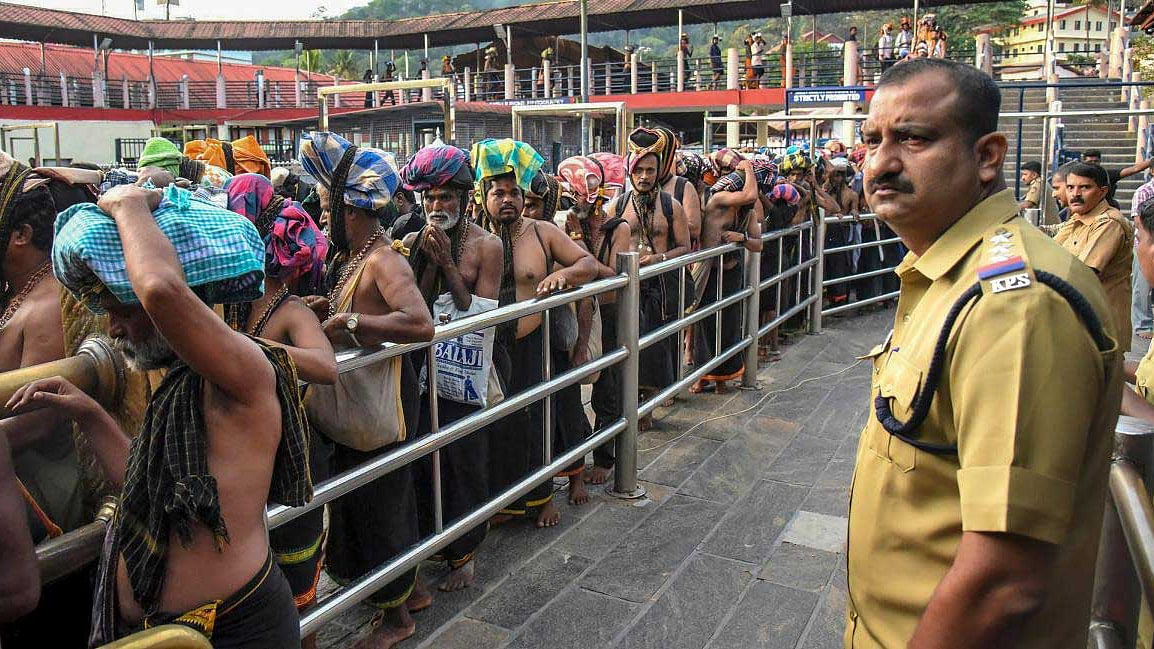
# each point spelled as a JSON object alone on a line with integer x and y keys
{"x": 738, "y": 545}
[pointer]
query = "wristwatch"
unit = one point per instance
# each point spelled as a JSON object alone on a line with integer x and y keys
{"x": 351, "y": 327}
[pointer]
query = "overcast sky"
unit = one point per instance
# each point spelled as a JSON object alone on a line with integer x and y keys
{"x": 205, "y": 9}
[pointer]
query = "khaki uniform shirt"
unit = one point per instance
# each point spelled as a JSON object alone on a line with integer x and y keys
{"x": 1144, "y": 377}
{"x": 1032, "y": 460}
{"x": 1104, "y": 241}
{"x": 1034, "y": 193}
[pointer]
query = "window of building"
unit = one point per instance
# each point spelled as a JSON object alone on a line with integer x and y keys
{"x": 1076, "y": 46}
{"x": 1039, "y": 49}
{"x": 1040, "y": 27}
{"x": 1062, "y": 25}
{"x": 1097, "y": 47}
{"x": 1098, "y": 26}
{"x": 1061, "y": 47}
{"x": 1077, "y": 24}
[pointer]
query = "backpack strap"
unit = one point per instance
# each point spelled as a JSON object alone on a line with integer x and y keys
{"x": 679, "y": 189}
{"x": 608, "y": 228}
{"x": 667, "y": 208}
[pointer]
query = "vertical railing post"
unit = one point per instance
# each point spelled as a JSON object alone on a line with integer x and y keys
{"x": 752, "y": 317}
{"x": 434, "y": 428}
{"x": 1117, "y": 592}
{"x": 629, "y": 335}
{"x": 818, "y": 272}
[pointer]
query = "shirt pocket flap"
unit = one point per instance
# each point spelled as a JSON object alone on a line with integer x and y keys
{"x": 900, "y": 382}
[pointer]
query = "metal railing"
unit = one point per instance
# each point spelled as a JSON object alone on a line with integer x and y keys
{"x": 857, "y": 228}
{"x": 73, "y": 550}
{"x": 1124, "y": 573}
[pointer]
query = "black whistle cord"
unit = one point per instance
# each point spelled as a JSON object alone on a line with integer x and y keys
{"x": 907, "y": 431}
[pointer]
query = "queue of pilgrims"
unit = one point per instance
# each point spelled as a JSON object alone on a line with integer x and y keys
{"x": 227, "y": 283}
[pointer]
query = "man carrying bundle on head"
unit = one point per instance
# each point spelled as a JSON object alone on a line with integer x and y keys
{"x": 660, "y": 231}
{"x": 161, "y": 153}
{"x": 504, "y": 171}
{"x": 372, "y": 299}
{"x": 236, "y": 157}
{"x": 224, "y": 433}
{"x": 582, "y": 183}
{"x": 452, "y": 256}
{"x": 733, "y": 215}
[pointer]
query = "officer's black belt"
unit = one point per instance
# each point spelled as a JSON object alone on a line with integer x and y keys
{"x": 908, "y": 431}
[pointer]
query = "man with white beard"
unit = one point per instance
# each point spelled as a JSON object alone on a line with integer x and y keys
{"x": 452, "y": 255}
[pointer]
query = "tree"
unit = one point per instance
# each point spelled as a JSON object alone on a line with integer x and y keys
{"x": 1092, "y": 4}
{"x": 345, "y": 65}
{"x": 963, "y": 20}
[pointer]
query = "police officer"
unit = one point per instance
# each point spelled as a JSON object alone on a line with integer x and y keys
{"x": 980, "y": 477}
{"x": 1032, "y": 179}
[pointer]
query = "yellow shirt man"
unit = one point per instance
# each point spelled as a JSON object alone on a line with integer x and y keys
{"x": 1034, "y": 193}
{"x": 1025, "y": 396}
{"x": 1104, "y": 240}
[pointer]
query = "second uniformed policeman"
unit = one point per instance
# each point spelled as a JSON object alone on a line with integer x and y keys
{"x": 980, "y": 478}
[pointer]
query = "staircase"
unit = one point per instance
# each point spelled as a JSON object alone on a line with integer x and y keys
{"x": 1107, "y": 134}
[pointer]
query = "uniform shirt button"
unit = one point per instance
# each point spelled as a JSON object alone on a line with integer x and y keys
{"x": 906, "y": 318}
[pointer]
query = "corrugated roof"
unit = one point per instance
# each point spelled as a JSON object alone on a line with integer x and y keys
{"x": 558, "y": 17}
{"x": 78, "y": 62}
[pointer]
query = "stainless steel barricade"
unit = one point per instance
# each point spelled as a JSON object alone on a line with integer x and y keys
{"x": 887, "y": 268}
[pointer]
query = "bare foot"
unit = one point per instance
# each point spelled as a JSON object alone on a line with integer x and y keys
{"x": 389, "y": 628}
{"x": 598, "y": 475}
{"x": 577, "y": 493}
{"x": 697, "y": 388}
{"x": 500, "y": 519}
{"x": 549, "y": 515}
{"x": 645, "y": 423}
{"x": 668, "y": 403}
{"x": 309, "y": 642}
{"x": 420, "y": 599}
{"x": 459, "y": 578}
{"x": 1145, "y": 335}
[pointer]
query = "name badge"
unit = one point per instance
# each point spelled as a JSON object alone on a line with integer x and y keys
{"x": 1010, "y": 282}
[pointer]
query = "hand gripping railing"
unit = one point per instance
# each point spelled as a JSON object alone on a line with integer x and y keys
{"x": 1125, "y": 569}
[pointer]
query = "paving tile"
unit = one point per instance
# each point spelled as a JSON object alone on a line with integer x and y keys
{"x": 686, "y": 614}
{"x": 653, "y": 442}
{"x": 648, "y": 555}
{"x": 577, "y": 619}
{"x": 509, "y": 545}
{"x": 518, "y": 597}
{"x": 749, "y": 529}
{"x": 798, "y": 566}
{"x": 734, "y": 468}
{"x": 828, "y": 625}
{"x": 601, "y": 530}
{"x": 830, "y": 493}
{"x": 679, "y": 460}
{"x": 468, "y": 634}
{"x": 770, "y": 616}
{"x": 818, "y": 531}
{"x": 802, "y": 460}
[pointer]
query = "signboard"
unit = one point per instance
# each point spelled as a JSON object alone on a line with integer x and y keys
{"x": 534, "y": 102}
{"x": 801, "y": 96}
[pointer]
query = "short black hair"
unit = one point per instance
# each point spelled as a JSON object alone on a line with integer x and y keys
{"x": 406, "y": 194}
{"x": 979, "y": 99}
{"x": 1033, "y": 166}
{"x": 37, "y": 210}
{"x": 1064, "y": 170}
{"x": 1092, "y": 171}
{"x": 1146, "y": 215}
{"x": 1092, "y": 153}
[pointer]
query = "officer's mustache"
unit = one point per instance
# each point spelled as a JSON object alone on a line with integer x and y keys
{"x": 894, "y": 182}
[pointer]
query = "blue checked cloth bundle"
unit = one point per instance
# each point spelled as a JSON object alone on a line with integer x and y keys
{"x": 220, "y": 251}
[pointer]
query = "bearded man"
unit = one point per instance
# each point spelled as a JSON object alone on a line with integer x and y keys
{"x": 660, "y": 231}
{"x": 504, "y": 169}
{"x": 583, "y": 183}
{"x": 452, "y": 255}
{"x": 224, "y": 433}
{"x": 373, "y": 299}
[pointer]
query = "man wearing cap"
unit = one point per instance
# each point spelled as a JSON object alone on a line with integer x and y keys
{"x": 372, "y": 299}
{"x": 756, "y": 58}
{"x": 456, "y": 256}
{"x": 715, "y": 63}
{"x": 1032, "y": 179}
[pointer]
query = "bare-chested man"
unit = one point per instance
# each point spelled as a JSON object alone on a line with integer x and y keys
{"x": 733, "y": 215}
{"x": 582, "y": 182}
{"x": 374, "y": 299}
{"x": 281, "y": 319}
{"x": 531, "y": 249}
{"x": 452, "y": 255}
{"x": 660, "y": 231}
{"x": 189, "y": 539}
